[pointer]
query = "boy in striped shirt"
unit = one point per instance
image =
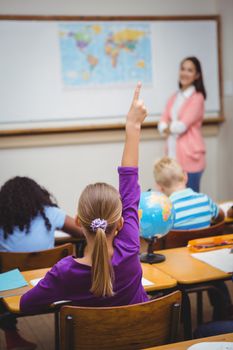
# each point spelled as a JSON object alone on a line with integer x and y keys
{"x": 193, "y": 210}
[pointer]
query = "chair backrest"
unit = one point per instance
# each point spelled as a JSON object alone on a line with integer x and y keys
{"x": 179, "y": 238}
{"x": 34, "y": 260}
{"x": 124, "y": 327}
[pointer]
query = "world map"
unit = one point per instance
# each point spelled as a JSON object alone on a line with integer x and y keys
{"x": 105, "y": 53}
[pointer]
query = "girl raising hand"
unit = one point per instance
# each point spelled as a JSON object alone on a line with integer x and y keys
{"x": 110, "y": 273}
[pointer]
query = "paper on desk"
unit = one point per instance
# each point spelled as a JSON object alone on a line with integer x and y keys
{"x": 221, "y": 259}
{"x": 225, "y": 206}
{"x": 60, "y": 234}
{"x": 222, "y": 345}
{"x": 11, "y": 280}
{"x": 146, "y": 282}
{"x": 35, "y": 281}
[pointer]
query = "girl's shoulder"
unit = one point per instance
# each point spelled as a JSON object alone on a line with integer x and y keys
{"x": 66, "y": 261}
{"x": 69, "y": 263}
{"x": 55, "y": 214}
{"x": 63, "y": 266}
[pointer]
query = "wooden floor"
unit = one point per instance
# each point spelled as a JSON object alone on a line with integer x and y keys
{"x": 40, "y": 329}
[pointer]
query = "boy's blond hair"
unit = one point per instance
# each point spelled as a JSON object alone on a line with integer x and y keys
{"x": 167, "y": 172}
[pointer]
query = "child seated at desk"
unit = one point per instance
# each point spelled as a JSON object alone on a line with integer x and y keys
{"x": 110, "y": 272}
{"x": 193, "y": 210}
{"x": 29, "y": 217}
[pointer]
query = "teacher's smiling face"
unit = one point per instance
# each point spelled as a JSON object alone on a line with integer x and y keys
{"x": 188, "y": 74}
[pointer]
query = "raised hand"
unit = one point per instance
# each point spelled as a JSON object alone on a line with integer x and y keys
{"x": 137, "y": 112}
{"x": 135, "y": 117}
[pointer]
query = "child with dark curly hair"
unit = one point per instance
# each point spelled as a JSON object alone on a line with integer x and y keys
{"x": 29, "y": 216}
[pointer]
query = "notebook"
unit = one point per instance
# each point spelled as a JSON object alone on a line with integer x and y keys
{"x": 12, "y": 283}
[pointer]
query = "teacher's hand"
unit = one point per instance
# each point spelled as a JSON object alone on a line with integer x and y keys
{"x": 167, "y": 131}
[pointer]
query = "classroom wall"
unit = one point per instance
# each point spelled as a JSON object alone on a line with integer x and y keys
{"x": 65, "y": 169}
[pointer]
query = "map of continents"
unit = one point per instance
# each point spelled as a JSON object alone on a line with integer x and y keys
{"x": 105, "y": 53}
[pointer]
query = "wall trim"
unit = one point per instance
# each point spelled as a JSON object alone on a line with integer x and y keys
{"x": 87, "y": 137}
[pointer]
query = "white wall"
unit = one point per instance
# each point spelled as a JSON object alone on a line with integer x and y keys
{"x": 64, "y": 170}
{"x": 109, "y": 7}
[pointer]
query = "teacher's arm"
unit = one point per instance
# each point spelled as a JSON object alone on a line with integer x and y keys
{"x": 195, "y": 112}
{"x": 164, "y": 123}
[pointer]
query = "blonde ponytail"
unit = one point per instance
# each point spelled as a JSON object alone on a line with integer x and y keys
{"x": 102, "y": 271}
{"x": 99, "y": 211}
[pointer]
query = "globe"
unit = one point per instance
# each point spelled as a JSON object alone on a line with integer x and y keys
{"x": 156, "y": 214}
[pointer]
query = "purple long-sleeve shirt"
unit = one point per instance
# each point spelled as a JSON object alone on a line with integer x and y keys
{"x": 71, "y": 280}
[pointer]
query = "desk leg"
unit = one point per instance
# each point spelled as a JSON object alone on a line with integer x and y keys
{"x": 57, "y": 334}
{"x": 186, "y": 313}
{"x": 199, "y": 308}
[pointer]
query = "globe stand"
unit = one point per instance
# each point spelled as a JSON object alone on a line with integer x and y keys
{"x": 150, "y": 257}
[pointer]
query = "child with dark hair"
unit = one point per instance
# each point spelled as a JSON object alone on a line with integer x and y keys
{"x": 29, "y": 216}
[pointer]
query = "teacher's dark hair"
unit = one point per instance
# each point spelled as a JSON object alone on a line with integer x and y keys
{"x": 21, "y": 200}
{"x": 198, "y": 83}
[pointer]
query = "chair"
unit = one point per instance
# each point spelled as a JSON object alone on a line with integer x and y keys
{"x": 25, "y": 261}
{"x": 180, "y": 238}
{"x": 124, "y": 327}
{"x": 34, "y": 260}
{"x": 79, "y": 243}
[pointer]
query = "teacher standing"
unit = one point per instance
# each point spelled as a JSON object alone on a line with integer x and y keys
{"x": 182, "y": 119}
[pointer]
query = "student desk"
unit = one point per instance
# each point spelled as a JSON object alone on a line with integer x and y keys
{"x": 159, "y": 279}
{"x": 189, "y": 272}
{"x": 185, "y": 344}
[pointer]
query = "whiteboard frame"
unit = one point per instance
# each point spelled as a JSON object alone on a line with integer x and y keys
{"x": 120, "y": 125}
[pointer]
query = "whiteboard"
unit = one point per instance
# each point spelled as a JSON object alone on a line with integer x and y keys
{"x": 32, "y": 89}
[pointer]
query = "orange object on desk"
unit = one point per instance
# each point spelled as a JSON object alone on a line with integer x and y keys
{"x": 211, "y": 243}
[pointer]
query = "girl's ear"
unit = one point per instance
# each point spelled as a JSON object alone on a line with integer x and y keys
{"x": 77, "y": 221}
{"x": 120, "y": 223}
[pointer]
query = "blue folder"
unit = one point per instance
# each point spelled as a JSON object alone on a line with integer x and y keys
{"x": 12, "y": 279}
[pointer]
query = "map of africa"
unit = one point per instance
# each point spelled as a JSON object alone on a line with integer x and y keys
{"x": 104, "y": 53}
